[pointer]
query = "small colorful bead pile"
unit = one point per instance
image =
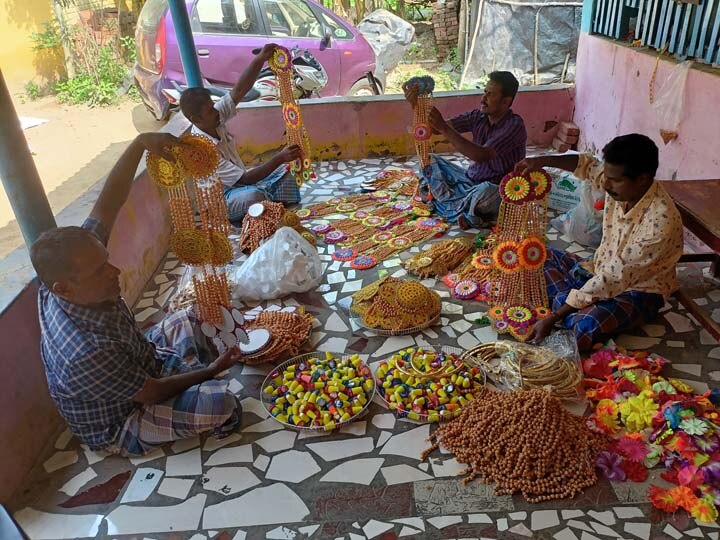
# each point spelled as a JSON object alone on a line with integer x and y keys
{"x": 320, "y": 393}
{"x": 429, "y": 386}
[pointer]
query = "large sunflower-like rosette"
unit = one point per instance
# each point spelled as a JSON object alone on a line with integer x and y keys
{"x": 506, "y": 257}
{"x": 280, "y": 59}
{"x": 519, "y": 316}
{"x": 482, "y": 262}
{"x": 515, "y": 189}
{"x": 540, "y": 183}
{"x": 532, "y": 253}
{"x": 198, "y": 156}
{"x": 291, "y": 115}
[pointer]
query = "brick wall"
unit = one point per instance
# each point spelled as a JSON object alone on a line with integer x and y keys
{"x": 445, "y": 24}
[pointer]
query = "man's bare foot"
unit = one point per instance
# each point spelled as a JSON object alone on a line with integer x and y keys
{"x": 463, "y": 223}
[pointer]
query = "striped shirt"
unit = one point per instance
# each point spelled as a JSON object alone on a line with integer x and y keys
{"x": 95, "y": 361}
{"x": 507, "y": 137}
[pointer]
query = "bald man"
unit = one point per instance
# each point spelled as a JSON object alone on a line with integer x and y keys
{"x": 117, "y": 389}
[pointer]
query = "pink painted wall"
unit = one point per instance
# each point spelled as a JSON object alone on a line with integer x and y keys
{"x": 362, "y": 127}
{"x": 612, "y": 99}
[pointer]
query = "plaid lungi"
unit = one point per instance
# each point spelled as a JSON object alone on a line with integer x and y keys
{"x": 603, "y": 319}
{"x": 204, "y": 407}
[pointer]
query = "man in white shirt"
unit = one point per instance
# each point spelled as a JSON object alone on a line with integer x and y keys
{"x": 243, "y": 187}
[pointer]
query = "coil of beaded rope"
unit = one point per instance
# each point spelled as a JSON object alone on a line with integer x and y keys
{"x": 524, "y": 442}
{"x": 289, "y": 331}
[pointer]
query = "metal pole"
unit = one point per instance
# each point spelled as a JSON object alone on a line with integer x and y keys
{"x": 186, "y": 43}
{"x": 19, "y": 175}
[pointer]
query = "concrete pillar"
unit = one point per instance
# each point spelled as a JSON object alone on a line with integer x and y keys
{"x": 186, "y": 43}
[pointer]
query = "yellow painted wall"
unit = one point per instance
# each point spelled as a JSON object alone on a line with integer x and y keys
{"x": 19, "y": 19}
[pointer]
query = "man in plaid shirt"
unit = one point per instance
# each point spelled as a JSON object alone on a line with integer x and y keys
{"x": 117, "y": 389}
{"x": 243, "y": 187}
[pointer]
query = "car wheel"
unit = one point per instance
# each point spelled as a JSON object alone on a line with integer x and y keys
{"x": 361, "y": 88}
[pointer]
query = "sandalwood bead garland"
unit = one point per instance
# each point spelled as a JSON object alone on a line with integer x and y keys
{"x": 440, "y": 259}
{"x": 289, "y": 331}
{"x": 524, "y": 442}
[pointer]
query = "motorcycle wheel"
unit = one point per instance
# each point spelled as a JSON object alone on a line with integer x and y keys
{"x": 361, "y": 88}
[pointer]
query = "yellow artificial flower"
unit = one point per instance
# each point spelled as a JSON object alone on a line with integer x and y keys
{"x": 637, "y": 411}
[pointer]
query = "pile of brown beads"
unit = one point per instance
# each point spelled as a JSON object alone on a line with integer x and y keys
{"x": 212, "y": 291}
{"x": 396, "y": 304}
{"x": 289, "y": 331}
{"x": 524, "y": 442}
{"x": 440, "y": 259}
{"x": 256, "y": 229}
{"x": 291, "y": 219}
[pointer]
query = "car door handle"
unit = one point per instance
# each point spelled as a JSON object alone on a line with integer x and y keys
{"x": 203, "y": 52}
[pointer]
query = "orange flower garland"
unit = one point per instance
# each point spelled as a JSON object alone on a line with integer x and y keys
{"x": 505, "y": 257}
{"x": 532, "y": 253}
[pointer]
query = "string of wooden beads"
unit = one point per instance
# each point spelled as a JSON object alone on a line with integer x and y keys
{"x": 289, "y": 332}
{"x": 212, "y": 205}
{"x": 212, "y": 291}
{"x": 440, "y": 259}
{"x": 255, "y": 229}
{"x": 524, "y": 442}
{"x": 181, "y": 212}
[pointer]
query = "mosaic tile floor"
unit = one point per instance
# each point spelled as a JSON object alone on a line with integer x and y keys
{"x": 365, "y": 481}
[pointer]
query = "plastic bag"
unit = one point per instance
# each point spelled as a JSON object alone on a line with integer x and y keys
{"x": 565, "y": 190}
{"x": 286, "y": 263}
{"x": 669, "y": 99}
{"x": 583, "y": 224}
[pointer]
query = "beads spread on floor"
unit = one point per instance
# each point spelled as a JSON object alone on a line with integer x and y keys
{"x": 441, "y": 258}
{"x": 289, "y": 331}
{"x": 320, "y": 392}
{"x": 524, "y": 442}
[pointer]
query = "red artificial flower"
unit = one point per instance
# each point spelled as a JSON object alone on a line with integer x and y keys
{"x": 635, "y": 471}
{"x": 691, "y": 476}
{"x": 625, "y": 385}
{"x": 632, "y": 448}
{"x": 670, "y": 476}
{"x": 598, "y": 364}
{"x": 599, "y": 204}
{"x": 662, "y": 499}
{"x": 684, "y": 497}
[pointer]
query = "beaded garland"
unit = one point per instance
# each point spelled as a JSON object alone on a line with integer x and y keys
{"x": 289, "y": 331}
{"x": 302, "y": 169}
{"x": 440, "y": 259}
{"x": 256, "y": 229}
{"x": 524, "y": 442}
{"x": 422, "y": 132}
{"x": 428, "y": 386}
{"x": 319, "y": 392}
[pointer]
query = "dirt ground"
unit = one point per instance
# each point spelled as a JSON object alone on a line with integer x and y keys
{"x": 75, "y": 149}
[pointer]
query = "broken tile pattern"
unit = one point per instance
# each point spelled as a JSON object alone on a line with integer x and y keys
{"x": 365, "y": 481}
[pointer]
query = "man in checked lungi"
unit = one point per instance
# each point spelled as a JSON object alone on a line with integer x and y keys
{"x": 633, "y": 271}
{"x": 269, "y": 181}
{"x": 118, "y": 389}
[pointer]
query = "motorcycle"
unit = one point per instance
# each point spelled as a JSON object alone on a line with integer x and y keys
{"x": 309, "y": 78}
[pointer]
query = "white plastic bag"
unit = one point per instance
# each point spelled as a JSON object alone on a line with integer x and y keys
{"x": 286, "y": 263}
{"x": 583, "y": 224}
{"x": 668, "y": 100}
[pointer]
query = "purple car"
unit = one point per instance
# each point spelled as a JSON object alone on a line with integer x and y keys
{"x": 227, "y": 31}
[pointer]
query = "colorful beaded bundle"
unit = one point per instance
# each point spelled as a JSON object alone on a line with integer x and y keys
{"x": 422, "y": 132}
{"x": 396, "y": 304}
{"x": 319, "y": 393}
{"x": 402, "y": 181}
{"x": 440, "y": 259}
{"x": 281, "y": 64}
{"x": 428, "y": 386}
{"x": 207, "y": 247}
{"x": 508, "y": 270}
{"x": 289, "y": 331}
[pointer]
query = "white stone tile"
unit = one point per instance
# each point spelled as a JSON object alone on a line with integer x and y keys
{"x": 399, "y": 273}
{"x": 336, "y": 324}
{"x": 335, "y": 277}
{"x": 45, "y": 526}
{"x": 267, "y": 425}
{"x": 680, "y": 323}
{"x": 415, "y": 522}
{"x": 255, "y": 406}
{"x": 602, "y": 529}
{"x": 485, "y": 334}
{"x": 60, "y": 460}
{"x": 384, "y": 421}
{"x": 676, "y": 344}
{"x": 565, "y": 534}
{"x": 374, "y": 528}
{"x": 429, "y": 332}
{"x": 354, "y": 428}
{"x": 391, "y": 263}
{"x": 317, "y": 337}
{"x": 521, "y": 529}
{"x": 63, "y": 440}
{"x": 407, "y": 531}
{"x": 229, "y": 480}
{"x": 672, "y": 531}
{"x": 177, "y": 488}
{"x": 401, "y": 474}
{"x": 461, "y": 325}
{"x": 633, "y": 343}
{"x": 695, "y": 533}
{"x": 641, "y": 530}
{"x": 606, "y": 517}
{"x": 257, "y": 507}
{"x": 383, "y": 438}
{"x": 448, "y": 467}
{"x": 392, "y": 344}
{"x": 571, "y": 514}
{"x": 706, "y": 338}
{"x": 261, "y": 462}
{"x": 236, "y": 454}
{"x": 156, "y": 519}
{"x": 517, "y": 516}
{"x": 409, "y": 444}
{"x": 282, "y": 440}
{"x": 309, "y": 530}
{"x": 624, "y": 512}
{"x": 654, "y": 330}
{"x": 330, "y": 297}
{"x": 145, "y": 314}
{"x": 187, "y": 464}
{"x": 699, "y": 386}
{"x": 502, "y": 524}
{"x": 235, "y": 386}
{"x": 150, "y": 456}
{"x": 334, "y": 345}
{"x": 72, "y": 486}
{"x": 92, "y": 456}
{"x": 334, "y": 450}
{"x": 467, "y": 341}
{"x": 212, "y": 444}
{"x": 440, "y": 522}
{"x": 692, "y": 369}
{"x": 352, "y": 286}
{"x": 479, "y": 518}
{"x": 357, "y": 471}
{"x": 544, "y": 519}
{"x": 281, "y": 533}
{"x": 292, "y": 466}
{"x": 184, "y": 445}
{"x": 143, "y": 483}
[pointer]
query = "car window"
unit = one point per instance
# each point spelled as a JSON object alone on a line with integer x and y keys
{"x": 224, "y": 17}
{"x": 292, "y": 18}
{"x": 338, "y": 31}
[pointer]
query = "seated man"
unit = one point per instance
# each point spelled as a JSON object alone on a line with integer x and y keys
{"x": 243, "y": 187}
{"x": 498, "y": 142}
{"x": 633, "y": 271}
{"x": 117, "y": 389}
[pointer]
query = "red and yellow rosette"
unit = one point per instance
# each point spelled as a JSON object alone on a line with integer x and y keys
{"x": 515, "y": 188}
{"x": 540, "y": 183}
{"x": 422, "y": 132}
{"x": 482, "y": 262}
{"x": 532, "y": 253}
{"x": 291, "y": 115}
{"x": 280, "y": 59}
{"x": 506, "y": 258}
